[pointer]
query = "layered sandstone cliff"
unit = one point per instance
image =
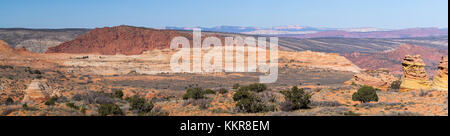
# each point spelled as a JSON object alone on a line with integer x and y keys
{"x": 414, "y": 74}
{"x": 440, "y": 81}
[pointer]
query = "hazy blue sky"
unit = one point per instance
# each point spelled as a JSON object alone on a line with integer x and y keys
{"x": 391, "y": 14}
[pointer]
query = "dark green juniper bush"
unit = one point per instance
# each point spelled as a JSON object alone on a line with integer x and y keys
{"x": 72, "y": 105}
{"x": 396, "y": 84}
{"x": 117, "y": 94}
{"x": 109, "y": 110}
{"x": 256, "y": 87}
{"x": 248, "y": 101}
{"x": 9, "y": 101}
{"x": 222, "y": 91}
{"x": 141, "y": 105}
{"x": 365, "y": 94}
{"x": 236, "y": 86}
{"x": 209, "y": 91}
{"x": 296, "y": 99}
{"x": 51, "y": 101}
{"x": 194, "y": 93}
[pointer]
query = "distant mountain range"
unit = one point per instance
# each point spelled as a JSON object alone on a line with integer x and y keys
{"x": 312, "y": 32}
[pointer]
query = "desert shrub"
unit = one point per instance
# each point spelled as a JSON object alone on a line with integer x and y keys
{"x": 39, "y": 77}
{"x": 72, "y": 105}
{"x": 220, "y": 110}
{"x": 286, "y": 106}
{"x": 109, "y": 110}
{"x": 201, "y": 103}
{"x": 241, "y": 95}
{"x": 140, "y": 105}
{"x": 222, "y": 91}
{"x": 51, "y": 101}
{"x": 6, "y": 67}
{"x": 9, "y": 101}
{"x": 396, "y": 84}
{"x": 365, "y": 94}
{"x": 194, "y": 93}
{"x": 26, "y": 107}
{"x": 423, "y": 93}
{"x": 209, "y": 91}
{"x": 326, "y": 103}
{"x": 236, "y": 86}
{"x": 351, "y": 113}
{"x": 77, "y": 97}
{"x": 248, "y": 102}
{"x": 297, "y": 98}
{"x": 62, "y": 99}
{"x": 251, "y": 105}
{"x": 92, "y": 97}
{"x": 403, "y": 113}
{"x": 117, "y": 94}
{"x": 257, "y": 87}
{"x": 157, "y": 111}
{"x": 103, "y": 99}
{"x": 33, "y": 71}
{"x": 83, "y": 109}
{"x": 267, "y": 96}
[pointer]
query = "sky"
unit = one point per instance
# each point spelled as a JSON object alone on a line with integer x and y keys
{"x": 387, "y": 14}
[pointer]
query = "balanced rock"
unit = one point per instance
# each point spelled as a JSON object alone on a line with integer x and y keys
{"x": 414, "y": 74}
{"x": 440, "y": 81}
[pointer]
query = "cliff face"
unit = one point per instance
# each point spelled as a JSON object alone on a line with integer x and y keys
{"x": 414, "y": 74}
{"x": 440, "y": 81}
{"x": 125, "y": 40}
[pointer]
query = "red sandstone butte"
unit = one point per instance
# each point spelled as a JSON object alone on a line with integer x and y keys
{"x": 125, "y": 40}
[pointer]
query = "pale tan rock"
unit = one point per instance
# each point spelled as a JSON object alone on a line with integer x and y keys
{"x": 320, "y": 60}
{"x": 380, "y": 79}
{"x": 440, "y": 81}
{"x": 35, "y": 93}
{"x": 56, "y": 93}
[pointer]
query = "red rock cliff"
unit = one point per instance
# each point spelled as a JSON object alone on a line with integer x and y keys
{"x": 125, "y": 40}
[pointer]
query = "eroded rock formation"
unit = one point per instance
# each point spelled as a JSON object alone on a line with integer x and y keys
{"x": 380, "y": 79}
{"x": 36, "y": 92}
{"x": 414, "y": 74}
{"x": 391, "y": 59}
{"x": 440, "y": 81}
